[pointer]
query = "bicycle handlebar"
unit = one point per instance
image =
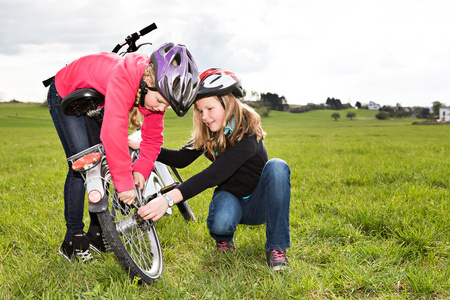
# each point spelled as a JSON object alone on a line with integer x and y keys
{"x": 132, "y": 38}
{"x": 147, "y": 29}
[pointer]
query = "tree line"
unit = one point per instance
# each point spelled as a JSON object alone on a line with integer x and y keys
{"x": 265, "y": 102}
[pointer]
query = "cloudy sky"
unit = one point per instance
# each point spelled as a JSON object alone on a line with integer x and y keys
{"x": 387, "y": 51}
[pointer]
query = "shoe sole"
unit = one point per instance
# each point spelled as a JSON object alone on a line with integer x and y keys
{"x": 98, "y": 251}
{"x": 64, "y": 255}
{"x": 280, "y": 268}
{"x": 70, "y": 260}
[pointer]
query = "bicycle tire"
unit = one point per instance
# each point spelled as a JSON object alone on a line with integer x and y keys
{"x": 133, "y": 241}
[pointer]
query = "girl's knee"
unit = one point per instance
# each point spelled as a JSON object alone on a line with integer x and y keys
{"x": 278, "y": 167}
{"x": 225, "y": 213}
{"x": 221, "y": 225}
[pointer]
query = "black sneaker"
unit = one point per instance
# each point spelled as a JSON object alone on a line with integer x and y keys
{"x": 277, "y": 260}
{"x": 225, "y": 246}
{"x": 98, "y": 242}
{"x": 77, "y": 248}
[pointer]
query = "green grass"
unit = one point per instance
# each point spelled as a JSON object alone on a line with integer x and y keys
{"x": 369, "y": 216}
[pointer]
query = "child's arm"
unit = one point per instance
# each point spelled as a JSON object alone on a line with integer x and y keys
{"x": 157, "y": 208}
{"x": 178, "y": 158}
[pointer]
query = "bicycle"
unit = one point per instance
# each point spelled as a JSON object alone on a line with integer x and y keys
{"x": 133, "y": 240}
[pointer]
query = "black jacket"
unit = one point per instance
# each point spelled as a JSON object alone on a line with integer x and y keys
{"x": 237, "y": 170}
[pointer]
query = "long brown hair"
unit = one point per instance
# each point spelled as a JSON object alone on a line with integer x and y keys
{"x": 247, "y": 121}
{"x": 134, "y": 117}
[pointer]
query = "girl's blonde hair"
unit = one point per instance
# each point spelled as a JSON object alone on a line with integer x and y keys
{"x": 247, "y": 121}
{"x": 134, "y": 117}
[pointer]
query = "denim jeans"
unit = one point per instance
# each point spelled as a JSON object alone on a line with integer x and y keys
{"x": 269, "y": 203}
{"x": 76, "y": 134}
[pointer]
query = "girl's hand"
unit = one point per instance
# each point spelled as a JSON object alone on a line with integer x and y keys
{"x": 134, "y": 143}
{"x": 127, "y": 196}
{"x": 139, "y": 180}
{"x": 155, "y": 209}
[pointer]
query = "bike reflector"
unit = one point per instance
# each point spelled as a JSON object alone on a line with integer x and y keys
{"x": 86, "y": 162}
{"x": 94, "y": 196}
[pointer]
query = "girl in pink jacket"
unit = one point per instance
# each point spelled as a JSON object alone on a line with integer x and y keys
{"x": 133, "y": 85}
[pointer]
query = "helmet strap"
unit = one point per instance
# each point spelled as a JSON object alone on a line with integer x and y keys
{"x": 144, "y": 87}
{"x": 221, "y": 101}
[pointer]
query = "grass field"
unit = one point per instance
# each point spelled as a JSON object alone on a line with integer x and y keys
{"x": 370, "y": 216}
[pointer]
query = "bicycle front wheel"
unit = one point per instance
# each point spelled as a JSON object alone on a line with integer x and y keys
{"x": 162, "y": 177}
{"x": 133, "y": 241}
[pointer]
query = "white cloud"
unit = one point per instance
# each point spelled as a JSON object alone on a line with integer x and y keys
{"x": 384, "y": 51}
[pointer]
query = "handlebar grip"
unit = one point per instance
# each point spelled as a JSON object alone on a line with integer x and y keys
{"x": 117, "y": 48}
{"x": 147, "y": 29}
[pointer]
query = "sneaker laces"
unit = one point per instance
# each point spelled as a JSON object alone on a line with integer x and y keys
{"x": 105, "y": 243}
{"x": 222, "y": 246}
{"x": 278, "y": 255}
{"x": 99, "y": 242}
{"x": 85, "y": 255}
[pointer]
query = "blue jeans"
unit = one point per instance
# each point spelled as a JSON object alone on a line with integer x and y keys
{"x": 269, "y": 203}
{"x": 76, "y": 134}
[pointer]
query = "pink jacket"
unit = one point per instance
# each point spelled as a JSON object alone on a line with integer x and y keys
{"x": 118, "y": 79}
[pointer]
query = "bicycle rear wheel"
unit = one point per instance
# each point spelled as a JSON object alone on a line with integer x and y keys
{"x": 134, "y": 241}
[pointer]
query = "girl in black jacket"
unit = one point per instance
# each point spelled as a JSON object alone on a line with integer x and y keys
{"x": 250, "y": 188}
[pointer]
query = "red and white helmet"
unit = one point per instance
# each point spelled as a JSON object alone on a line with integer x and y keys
{"x": 219, "y": 82}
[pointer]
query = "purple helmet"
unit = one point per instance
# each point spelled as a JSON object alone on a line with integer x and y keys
{"x": 219, "y": 82}
{"x": 178, "y": 83}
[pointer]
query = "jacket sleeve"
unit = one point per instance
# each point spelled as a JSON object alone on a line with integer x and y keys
{"x": 152, "y": 140}
{"x": 178, "y": 158}
{"x": 221, "y": 169}
{"x": 119, "y": 99}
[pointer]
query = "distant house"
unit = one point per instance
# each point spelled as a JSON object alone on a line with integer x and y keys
{"x": 444, "y": 114}
{"x": 374, "y": 106}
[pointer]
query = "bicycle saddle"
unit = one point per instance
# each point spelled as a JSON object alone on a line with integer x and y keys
{"x": 82, "y": 101}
